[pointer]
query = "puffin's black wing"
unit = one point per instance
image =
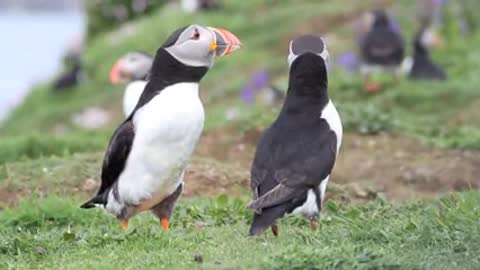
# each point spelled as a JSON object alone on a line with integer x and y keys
{"x": 289, "y": 162}
{"x": 383, "y": 47}
{"x": 423, "y": 67}
{"x": 114, "y": 161}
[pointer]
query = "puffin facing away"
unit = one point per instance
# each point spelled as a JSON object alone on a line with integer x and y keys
{"x": 381, "y": 48}
{"x": 132, "y": 68}
{"x": 423, "y": 67}
{"x": 145, "y": 161}
{"x": 297, "y": 153}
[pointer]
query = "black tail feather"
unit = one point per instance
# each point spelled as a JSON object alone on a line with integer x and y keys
{"x": 267, "y": 218}
{"x": 97, "y": 199}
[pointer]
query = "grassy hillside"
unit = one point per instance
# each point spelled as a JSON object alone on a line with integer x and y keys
{"x": 410, "y": 141}
{"x": 442, "y": 113}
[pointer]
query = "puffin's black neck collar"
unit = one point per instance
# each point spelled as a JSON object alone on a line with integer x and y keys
{"x": 166, "y": 70}
{"x": 308, "y": 84}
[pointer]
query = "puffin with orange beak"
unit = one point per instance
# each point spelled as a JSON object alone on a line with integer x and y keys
{"x": 147, "y": 155}
{"x": 133, "y": 69}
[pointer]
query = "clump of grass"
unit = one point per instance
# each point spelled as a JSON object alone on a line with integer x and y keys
{"x": 34, "y": 146}
{"x": 366, "y": 119}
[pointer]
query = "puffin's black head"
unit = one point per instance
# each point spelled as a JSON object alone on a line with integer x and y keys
{"x": 307, "y": 59}
{"x": 380, "y": 18}
{"x": 307, "y": 44}
{"x": 197, "y": 46}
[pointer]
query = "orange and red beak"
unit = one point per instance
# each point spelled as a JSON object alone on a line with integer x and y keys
{"x": 115, "y": 76}
{"x": 118, "y": 74}
{"x": 224, "y": 43}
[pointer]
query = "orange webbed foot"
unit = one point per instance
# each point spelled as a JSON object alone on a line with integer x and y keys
{"x": 165, "y": 224}
{"x": 124, "y": 224}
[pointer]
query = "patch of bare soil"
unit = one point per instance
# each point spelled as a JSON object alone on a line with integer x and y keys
{"x": 7, "y": 198}
{"x": 396, "y": 166}
{"x": 401, "y": 167}
{"x": 206, "y": 177}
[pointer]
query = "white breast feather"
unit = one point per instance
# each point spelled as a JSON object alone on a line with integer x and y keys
{"x": 332, "y": 117}
{"x": 131, "y": 96}
{"x": 166, "y": 131}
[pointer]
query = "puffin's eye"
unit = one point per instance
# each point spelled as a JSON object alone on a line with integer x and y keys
{"x": 196, "y": 35}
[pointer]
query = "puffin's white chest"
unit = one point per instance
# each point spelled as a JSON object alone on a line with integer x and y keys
{"x": 131, "y": 96}
{"x": 332, "y": 117}
{"x": 166, "y": 131}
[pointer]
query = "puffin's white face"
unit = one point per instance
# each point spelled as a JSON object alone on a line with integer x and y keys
{"x": 132, "y": 66}
{"x": 308, "y": 43}
{"x": 430, "y": 38}
{"x": 198, "y": 46}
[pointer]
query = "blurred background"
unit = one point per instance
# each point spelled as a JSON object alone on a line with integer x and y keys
{"x": 412, "y": 125}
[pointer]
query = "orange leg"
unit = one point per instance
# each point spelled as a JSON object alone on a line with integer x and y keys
{"x": 165, "y": 224}
{"x": 372, "y": 87}
{"x": 314, "y": 224}
{"x": 124, "y": 224}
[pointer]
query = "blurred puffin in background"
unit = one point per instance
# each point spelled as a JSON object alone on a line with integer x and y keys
{"x": 382, "y": 48}
{"x": 422, "y": 67}
{"x": 191, "y": 6}
{"x": 429, "y": 17}
{"x": 71, "y": 77}
{"x": 74, "y": 72}
{"x": 132, "y": 68}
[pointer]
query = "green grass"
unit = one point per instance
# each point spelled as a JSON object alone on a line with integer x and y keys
{"x": 54, "y": 233}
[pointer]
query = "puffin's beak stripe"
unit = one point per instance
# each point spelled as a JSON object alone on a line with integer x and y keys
{"x": 226, "y": 42}
{"x": 213, "y": 46}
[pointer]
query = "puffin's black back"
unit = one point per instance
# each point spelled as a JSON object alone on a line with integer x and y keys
{"x": 423, "y": 67}
{"x": 298, "y": 143}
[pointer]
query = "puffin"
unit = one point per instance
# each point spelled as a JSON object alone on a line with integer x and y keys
{"x": 192, "y": 6}
{"x": 145, "y": 161}
{"x": 382, "y": 47}
{"x": 423, "y": 67}
{"x": 70, "y": 78}
{"x": 132, "y": 68}
{"x": 297, "y": 153}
